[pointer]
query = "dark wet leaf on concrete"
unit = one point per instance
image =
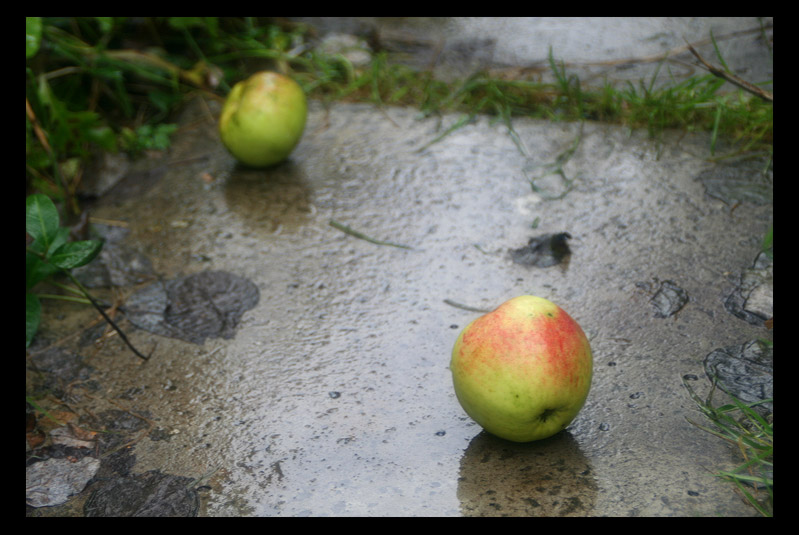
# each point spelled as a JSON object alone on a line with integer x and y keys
{"x": 744, "y": 371}
{"x": 151, "y": 494}
{"x": 543, "y": 251}
{"x": 116, "y": 463}
{"x": 204, "y": 305}
{"x": 669, "y": 299}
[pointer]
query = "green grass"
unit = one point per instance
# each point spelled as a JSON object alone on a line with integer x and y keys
{"x": 752, "y": 436}
{"x": 745, "y": 122}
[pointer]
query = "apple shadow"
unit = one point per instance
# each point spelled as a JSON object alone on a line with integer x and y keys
{"x": 272, "y": 198}
{"x": 549, "y": 477}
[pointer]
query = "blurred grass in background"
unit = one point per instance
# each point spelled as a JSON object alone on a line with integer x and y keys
{"x": 112, "y": 84}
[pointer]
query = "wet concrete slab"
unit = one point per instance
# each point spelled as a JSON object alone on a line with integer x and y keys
{"x": 619, "y": 50}
{"x": 334, "y": 397}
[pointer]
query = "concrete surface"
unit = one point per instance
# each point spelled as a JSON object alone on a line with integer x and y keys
{"x": 335, "y": 398}
{"x": 616, "y": 49}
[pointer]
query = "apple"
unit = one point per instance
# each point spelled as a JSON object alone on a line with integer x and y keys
{"x": 263, "y": 119}
{"x": 522, "y": 371}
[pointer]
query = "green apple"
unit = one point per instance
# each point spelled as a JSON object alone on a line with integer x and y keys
{"x": 522, "y": 371}
{"x": 263, "y": 119}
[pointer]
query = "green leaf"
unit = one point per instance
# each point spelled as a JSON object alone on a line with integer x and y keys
{"x": 103, "y": 136}
{"x": 33, "y": 36}
{"x": 156, "y": 137}
{"x": 33, "y": 311}
{"x": 210, "y": 24}
{"x": 36, "y": 270}
{"x": 60, "y": 238}
{"x": 164, "y": 100}
{"x": 75, "y": 254}
{"x": 106, "y": 24}
{"x": 41, "y": 219}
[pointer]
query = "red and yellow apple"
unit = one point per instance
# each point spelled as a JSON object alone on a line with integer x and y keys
{"x": 263, "y": 119}
{"x": 522, "y": 371}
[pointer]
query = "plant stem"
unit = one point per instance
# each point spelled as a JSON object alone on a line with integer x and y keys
{"x": 344, "y": 228}
{"x": 85, "y": 292}
{"x": 65, "y": 298}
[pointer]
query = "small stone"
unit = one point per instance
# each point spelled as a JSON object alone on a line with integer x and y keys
{"x": 669, "y": 299}
{"x": 53, "y": 481}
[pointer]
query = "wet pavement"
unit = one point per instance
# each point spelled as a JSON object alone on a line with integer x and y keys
{"x": 329, "y": 393}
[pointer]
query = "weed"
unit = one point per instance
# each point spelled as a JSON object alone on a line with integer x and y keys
{"x": 753, "y": 436}
{"x": 49, "y": 253}
{"x": 108, "y": 83}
